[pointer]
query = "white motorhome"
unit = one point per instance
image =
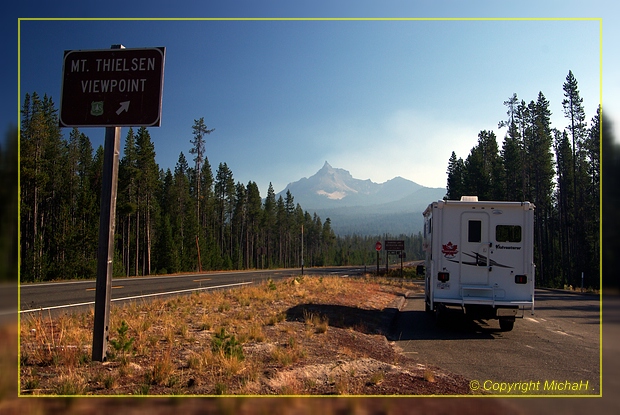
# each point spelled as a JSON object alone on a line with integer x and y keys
{"x": 479, "y": 258}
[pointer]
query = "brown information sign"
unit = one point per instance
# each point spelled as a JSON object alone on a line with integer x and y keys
{"x": 112, "y": 87}
{"x": 394, "y": 245}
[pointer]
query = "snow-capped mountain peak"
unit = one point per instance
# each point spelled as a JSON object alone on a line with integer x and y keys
{"x": 350, "y": 202}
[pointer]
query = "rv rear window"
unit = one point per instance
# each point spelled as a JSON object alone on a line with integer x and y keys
{"x": 508, "y": 233}
{"x": 474, "y": 233}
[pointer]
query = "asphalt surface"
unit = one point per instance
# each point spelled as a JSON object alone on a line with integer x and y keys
{"x": 550, "y": 353}
{"x": 69, "y": 296}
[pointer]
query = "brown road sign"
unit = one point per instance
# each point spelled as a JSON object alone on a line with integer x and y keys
{"x": 394, "y": 245}
{"x": 112, "y": 87}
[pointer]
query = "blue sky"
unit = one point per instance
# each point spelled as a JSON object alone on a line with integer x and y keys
{"x": 378, "y": 98}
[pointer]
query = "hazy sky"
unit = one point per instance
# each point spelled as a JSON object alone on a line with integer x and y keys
{"x": 378, "y": 98}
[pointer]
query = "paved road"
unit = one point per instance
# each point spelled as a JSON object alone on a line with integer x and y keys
{"x": 559, "y": 343}
{"x": 78, "y": 295}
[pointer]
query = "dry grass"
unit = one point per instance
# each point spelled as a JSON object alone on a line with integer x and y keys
{"x": 193, "y": 344}
{"x": 429, "y": 376}
{"x": 315, "y": 323}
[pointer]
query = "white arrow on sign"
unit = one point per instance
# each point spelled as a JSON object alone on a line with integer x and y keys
{"x": 124, "y": 107}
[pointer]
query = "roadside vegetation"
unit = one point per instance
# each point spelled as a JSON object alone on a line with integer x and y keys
{"x": 304, "y": 335}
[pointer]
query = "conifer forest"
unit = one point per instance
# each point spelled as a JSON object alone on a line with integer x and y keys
{"x": 196, "y": 218}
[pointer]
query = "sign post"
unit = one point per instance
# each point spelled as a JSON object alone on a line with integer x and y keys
{"x": 394, "y": 248}
{"x": 378, "y": 247}
{"x": 110, "y": 88}
{"x": 105, "y": 253}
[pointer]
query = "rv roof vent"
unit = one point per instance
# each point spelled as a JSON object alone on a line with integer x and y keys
{"x": 469, "y": 198}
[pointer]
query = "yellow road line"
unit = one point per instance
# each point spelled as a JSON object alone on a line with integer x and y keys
{"x": 93, "y": 289}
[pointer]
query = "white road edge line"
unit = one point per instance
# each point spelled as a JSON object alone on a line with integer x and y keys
{"x": 115, "y": 280}
{"x": 134, "y": 297}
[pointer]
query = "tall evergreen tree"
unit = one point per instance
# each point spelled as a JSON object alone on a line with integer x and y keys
{"x": 573, "y": 110}
{"x": 225, "y": 202}
{"x": 484, "y": 169}
{"x": 564, "y": 200}
{"x": 541, "y": 180}
{"x": 127, "y": 202}
{"x": 512, "y": 153}
{"x": 183, "y": 219}
{"x": 455, "y": 187}
{"x": 254, "y": 212}
{"x": 593, "y": 146}
{"x": 147, "y": 185}
{"x": 199, "y": 131}
{"x": 239, "y": 225}
{"x": 269, "y": 225}
{"x": 577, "y": 129}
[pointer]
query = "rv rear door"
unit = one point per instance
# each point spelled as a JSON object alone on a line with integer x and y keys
{"x": 475, "y": 248}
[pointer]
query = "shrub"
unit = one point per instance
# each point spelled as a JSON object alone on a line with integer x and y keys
{"x": 123, "y": 344}
{"x": 227, "y": 344}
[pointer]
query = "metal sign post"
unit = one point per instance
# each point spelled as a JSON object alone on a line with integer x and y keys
{"x": 105, "y": 253}
{"x": 394, "y": 248}
{"x": 378, "y": 247}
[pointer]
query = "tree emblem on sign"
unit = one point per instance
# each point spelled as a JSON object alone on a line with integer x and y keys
{"x": 96, "y": 108}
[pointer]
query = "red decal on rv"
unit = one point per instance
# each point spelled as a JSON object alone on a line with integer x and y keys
{"x": 449, "y": 250}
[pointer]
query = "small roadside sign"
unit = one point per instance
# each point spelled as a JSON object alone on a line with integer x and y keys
{"x": 112, "y": 87}
{"x": 378, "y": 246}
{"x": 395, "y": 245}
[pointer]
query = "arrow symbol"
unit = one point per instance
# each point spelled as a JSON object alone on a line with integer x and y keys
{"x": 124, "y": 107}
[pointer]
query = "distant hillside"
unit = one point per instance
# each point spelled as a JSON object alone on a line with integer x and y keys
{"x": 361, "y": 206}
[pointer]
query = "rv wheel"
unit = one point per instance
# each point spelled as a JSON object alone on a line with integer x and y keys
{"x": 440, "y": 315}
{"x": 506, "y": 325}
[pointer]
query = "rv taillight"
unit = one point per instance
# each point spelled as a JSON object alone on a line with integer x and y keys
{"x": 521, "y": 279}
{"x": 443, "y": 276}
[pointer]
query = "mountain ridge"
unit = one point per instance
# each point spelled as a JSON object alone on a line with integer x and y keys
{"x": 357, "y": 206}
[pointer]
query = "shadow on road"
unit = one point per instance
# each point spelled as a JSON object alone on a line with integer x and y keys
{"x": 420, "y": 325}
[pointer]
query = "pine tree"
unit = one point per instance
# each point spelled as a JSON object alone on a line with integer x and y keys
{"x": 483, "y": 172}
{"x": 565, "y": 200}
{"x": 183, "y": 220}
{"x": 512, "y": 153}
{"x": 239, "y": 225}
{"x": 455, "y": 186}
{"x": 591, "y": 201}
{"x": 573, "y": 110}
{"x": 224, "y": 204}
{"x": 147, "y": 185}
{"x": 254, "y": 212}
{"x": 127, "y": 202}
{"x": 328, "y": 241}
{"x": 541, "y": 180}
{"x": 199, "y": 130}
{"x": 269, "y": 225}
{"x": 577, "y": 129}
